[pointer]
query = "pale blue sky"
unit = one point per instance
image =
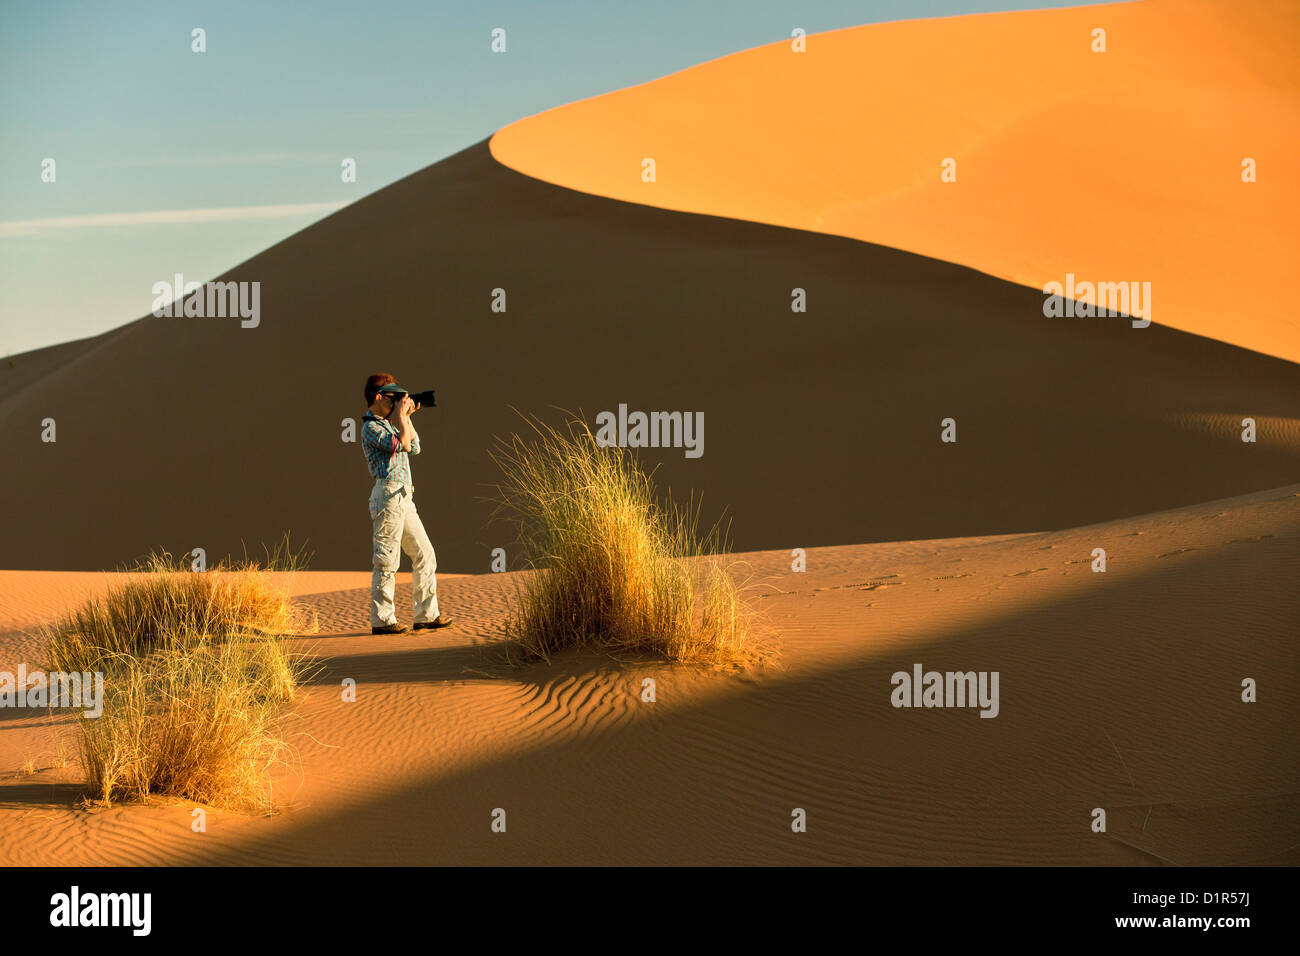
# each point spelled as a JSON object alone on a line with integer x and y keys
{"x": 138, "y": 123}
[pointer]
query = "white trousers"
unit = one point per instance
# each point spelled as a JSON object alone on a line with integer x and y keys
{"x": 397, "y": 528}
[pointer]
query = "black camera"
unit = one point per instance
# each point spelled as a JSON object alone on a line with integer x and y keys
{"x": 423, "y": 399}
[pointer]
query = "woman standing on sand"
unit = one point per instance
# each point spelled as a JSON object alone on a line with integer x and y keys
{"x": 388, "y": 445}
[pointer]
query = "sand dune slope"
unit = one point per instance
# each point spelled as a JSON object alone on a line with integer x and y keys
{"x": 1123, "y": 165}
{"x": 1118, "y": 690}
{"x": 821, "y": 428}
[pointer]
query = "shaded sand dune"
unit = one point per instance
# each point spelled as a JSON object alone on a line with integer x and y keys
{"x": 1118, "y": 690}
{"x": 1117, "y": 166}
{"x": 821, "y": 428}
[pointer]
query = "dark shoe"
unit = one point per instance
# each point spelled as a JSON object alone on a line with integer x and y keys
{"x": 433, "y": 625}
{"x": 393, "y": 628}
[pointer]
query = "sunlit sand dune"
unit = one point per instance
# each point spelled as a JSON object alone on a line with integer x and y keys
{"x": 1119, "y": 690}
{"x": 1120, "y": 687}
{"x": 1116, "y": 166}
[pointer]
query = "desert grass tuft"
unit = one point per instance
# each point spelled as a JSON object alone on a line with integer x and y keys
{"x": 197, "y": 670}
{"x": 198, "y": 722}
{"x": 612, "y": 566}
{"x": 161, "y": 603}
{"x": 283, "y": 556}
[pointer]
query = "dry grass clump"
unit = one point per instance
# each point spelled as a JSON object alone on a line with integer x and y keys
{"x": 197, "y": 722}
{"x": 197, "y": 670}
{"x": 614, "y": 568}
{"x": 161, "y": 603}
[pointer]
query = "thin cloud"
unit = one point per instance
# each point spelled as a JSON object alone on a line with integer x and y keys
{"x": 227, "y": 159}
{"x": 13, "y": 228}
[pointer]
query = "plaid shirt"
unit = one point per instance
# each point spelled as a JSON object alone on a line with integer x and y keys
{"x": 384, "y": 455}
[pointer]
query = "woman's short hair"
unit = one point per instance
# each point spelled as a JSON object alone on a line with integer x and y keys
{"x": 374, "y": 383}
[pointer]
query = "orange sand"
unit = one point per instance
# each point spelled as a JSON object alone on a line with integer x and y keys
{"x": 1119, "y": 690}
{"x": 1115, "y": 166}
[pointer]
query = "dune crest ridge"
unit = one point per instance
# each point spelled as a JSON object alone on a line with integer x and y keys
{"x": 1146, "y": 139}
